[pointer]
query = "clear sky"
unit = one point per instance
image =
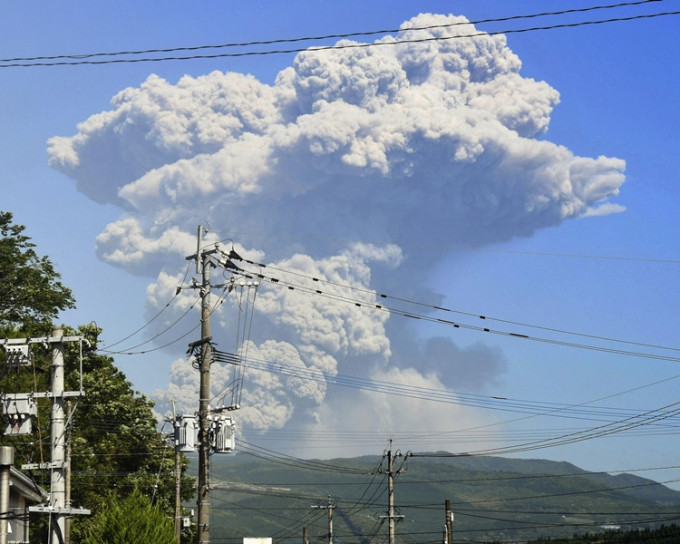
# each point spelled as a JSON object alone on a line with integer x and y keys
{"x": 529, "y": 177}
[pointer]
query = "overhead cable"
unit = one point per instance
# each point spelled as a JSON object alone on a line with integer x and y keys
{"x": 646, "y": 418}
{"x": 150, "y": 321}
{"x": 321, "y": 37}
{"x": 460, "y": 325}
{"x": 86, "y": 59}
{"x": 484, "y": 317}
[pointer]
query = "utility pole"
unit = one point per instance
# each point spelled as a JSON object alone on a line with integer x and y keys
{"x": 391, "y": 517}
{"x": 204, "y": 399}
{"x": 6, "y": 462}
{"x": 212, "y": 432}
{"x": 58, "y": 508}
{"x": 329, "y": 506}
{"x": 449, "y": 522}
{"x": 178, "y": 495}
{"x": 67, "y": 528}
{"x": 58, "y": 437}
{"x": 390, "y": 494}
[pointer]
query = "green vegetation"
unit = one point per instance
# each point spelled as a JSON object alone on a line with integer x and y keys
{"x": 32, "y": 294}
{"x": 115, "y": 441}
{"x": 122, "y": 468}
{"x": 493, "y": 500}
{"x": 132, "y": 520}
{"x": 664, "y": 535}
{"x": 116, "y": 449}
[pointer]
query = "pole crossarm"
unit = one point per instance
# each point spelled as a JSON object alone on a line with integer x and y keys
{"x": 20, "y": 407}
{"x": 203, "y": 350}
{"x": 42, "y": 340}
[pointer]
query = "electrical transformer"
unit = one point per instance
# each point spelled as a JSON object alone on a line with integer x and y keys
{"x": 186, "y": 433}
{"x": 224, "y": 434}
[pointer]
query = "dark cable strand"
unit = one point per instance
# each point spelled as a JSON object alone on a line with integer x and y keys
{"x": 336, "y": 47}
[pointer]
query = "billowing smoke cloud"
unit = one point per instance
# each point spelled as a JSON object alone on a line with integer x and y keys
{"x": 436, "y": 140}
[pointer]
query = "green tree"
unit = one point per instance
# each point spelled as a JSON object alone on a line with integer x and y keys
{"x": 114, "y": 440}
{"x": 130, "y": 520}
{"x": 32, "y": 294}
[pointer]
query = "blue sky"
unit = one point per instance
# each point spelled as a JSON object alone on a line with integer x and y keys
{"x": 610, "y": 275}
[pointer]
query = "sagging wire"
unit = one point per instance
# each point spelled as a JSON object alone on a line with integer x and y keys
{"x": 246, "y": 306}
{"x": 220, "y": 299}
{"x": 160, "y": 468}
{"x": 135, "y": 56}
{"x": 460, "y": 325}
{"x": 245, "y": 344}
{"x": 432, "y": 307}
{"x": 129, "y": 351}
{"x": 167, "y": 305}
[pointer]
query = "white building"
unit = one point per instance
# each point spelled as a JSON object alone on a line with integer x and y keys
{"x": 15, "y": 499}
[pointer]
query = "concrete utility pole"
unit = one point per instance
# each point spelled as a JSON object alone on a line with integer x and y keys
{"x": 178, "y": 495}
{"x": 329, "y": 506}
{"x": 204, "y": 401}
{"x": 58, "y": 424}
{"x": 449, "y": 522}
{"x": 391, "y": 517}
{"x": 6, "y": 462}
{"x": 67, "y": 523}
{"x": 390, "y": 494}
{"x": 205, "y": 260}
{"x": 58, "y": 508}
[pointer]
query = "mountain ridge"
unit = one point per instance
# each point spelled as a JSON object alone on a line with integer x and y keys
{"x": 492, "y": 498}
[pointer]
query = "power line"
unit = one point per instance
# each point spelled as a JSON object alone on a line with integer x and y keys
{"x": 460, "y": 325}
{"x": 651, "y": 416}
{"x": 321, "y": 37}
{"x": 484, "y": 317}
{"x": 259, "y": 451}
{"x": 569, "y": 411}
{"x": 130, "y": 351}
{"x": 156, "y": 316}
{"x": 461, "y": 248}
{"x": 85, "y": 59}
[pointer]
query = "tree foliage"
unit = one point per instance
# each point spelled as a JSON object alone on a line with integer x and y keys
{"x": 115, "y": 440}
{"x": 115, "y": 445}
{"x": 131, "y": 520}
{"x": 666, "y": 534}
{"x": 32, "y": 294}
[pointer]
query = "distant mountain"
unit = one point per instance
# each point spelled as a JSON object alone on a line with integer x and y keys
{"x": 492, "y": 499}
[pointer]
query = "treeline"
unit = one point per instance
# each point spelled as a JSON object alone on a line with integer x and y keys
{"x": 666, "y": 534}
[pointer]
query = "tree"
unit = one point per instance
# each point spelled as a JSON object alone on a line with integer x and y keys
{"x": 132, "y": 520}
{"x": 32, "y": 294}
{"x": 115, "y": 443}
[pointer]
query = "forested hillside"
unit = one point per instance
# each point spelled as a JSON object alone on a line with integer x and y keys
{"x": 492, "y": 499}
